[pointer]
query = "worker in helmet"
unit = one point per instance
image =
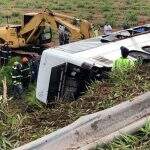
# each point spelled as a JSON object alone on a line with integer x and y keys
{"x": 25, "y": 72}
{"x": 61, "y": 31}
{"x": 123, "y": 63}
{"x": 34, "y": 65}
{"x": 5, "y": 54}
{"x": 63, "y": 35}
{"x": 107, "y": 29}
{"x": 66, "y": 36}
{"x": 16, "y": 80}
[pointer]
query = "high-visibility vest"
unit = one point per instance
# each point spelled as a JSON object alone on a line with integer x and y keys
{"x": 123, "y": 64}
{"x": 25, "y": 71}
{"x": 16, "y": 75}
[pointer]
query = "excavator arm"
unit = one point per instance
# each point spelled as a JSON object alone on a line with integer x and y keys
{"x": 53, "y": 20}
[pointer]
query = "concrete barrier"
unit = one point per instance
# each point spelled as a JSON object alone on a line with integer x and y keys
{"x": 91, "y": 129}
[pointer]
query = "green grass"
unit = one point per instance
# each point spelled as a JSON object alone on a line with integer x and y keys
{"x": 30, "y": 97}
{"x": 26, "y": 119}
{"x": 5, "y": 2}
{"x": 138, "y": 141}
{"x": 30, "y": 4}
{"x": 97, "y": 11}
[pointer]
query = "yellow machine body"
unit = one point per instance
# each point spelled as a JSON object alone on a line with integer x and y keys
{"x": 37, "y": 26}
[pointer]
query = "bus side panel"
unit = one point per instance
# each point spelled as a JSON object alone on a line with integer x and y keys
{"x": 56, "y": 82}
{"x": 48, "y": 61}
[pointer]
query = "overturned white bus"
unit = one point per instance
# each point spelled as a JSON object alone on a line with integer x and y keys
{"x": 64, "y": 71}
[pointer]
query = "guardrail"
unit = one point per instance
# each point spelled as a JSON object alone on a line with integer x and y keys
{"x": 95, "y": 128}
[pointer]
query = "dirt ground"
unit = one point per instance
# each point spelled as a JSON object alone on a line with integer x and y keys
{"x": 100, "y": 95}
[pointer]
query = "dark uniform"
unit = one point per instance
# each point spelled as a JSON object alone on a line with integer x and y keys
{"x": 34, "y": 65}
{"x": 66, "y": 37}
{"x": 16, "y": 80}
{"x": 61, "y": 31}
{"x": 5, "y": 54}
{"x": 26, "y": 75}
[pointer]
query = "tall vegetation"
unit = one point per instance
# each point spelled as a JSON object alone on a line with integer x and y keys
{"x": 139, "y": 141}
{"x": 26, "y": 119}
{"x": 97, "y": 11}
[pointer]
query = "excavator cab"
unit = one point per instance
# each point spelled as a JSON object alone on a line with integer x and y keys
{"x": 43, "y": 33}
{"x": 27, "y": 17}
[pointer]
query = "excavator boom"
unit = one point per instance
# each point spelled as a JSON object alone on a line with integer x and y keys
{"x": 53, "y": 20}
{"x": 33, "y": 28}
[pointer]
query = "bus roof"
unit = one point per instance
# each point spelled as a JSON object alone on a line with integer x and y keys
{"x": 104, "y": 53}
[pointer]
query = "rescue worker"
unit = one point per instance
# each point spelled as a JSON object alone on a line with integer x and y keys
{"x": 25, "y": 72}
{"x": 66, "y": 37}
{"x": 107, "y": 29}
{"x": 123, "y": 64}
{"x": 5, "y": 54}
{"x": 61, "y": 31}
{"x": 16, "y": 80}
{"x": 34, "y": 64}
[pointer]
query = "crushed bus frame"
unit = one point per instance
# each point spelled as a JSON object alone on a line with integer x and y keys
{"x": 65, "y": 70}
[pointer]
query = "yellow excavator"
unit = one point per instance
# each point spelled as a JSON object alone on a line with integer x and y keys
{"x": 37, "y": 29}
